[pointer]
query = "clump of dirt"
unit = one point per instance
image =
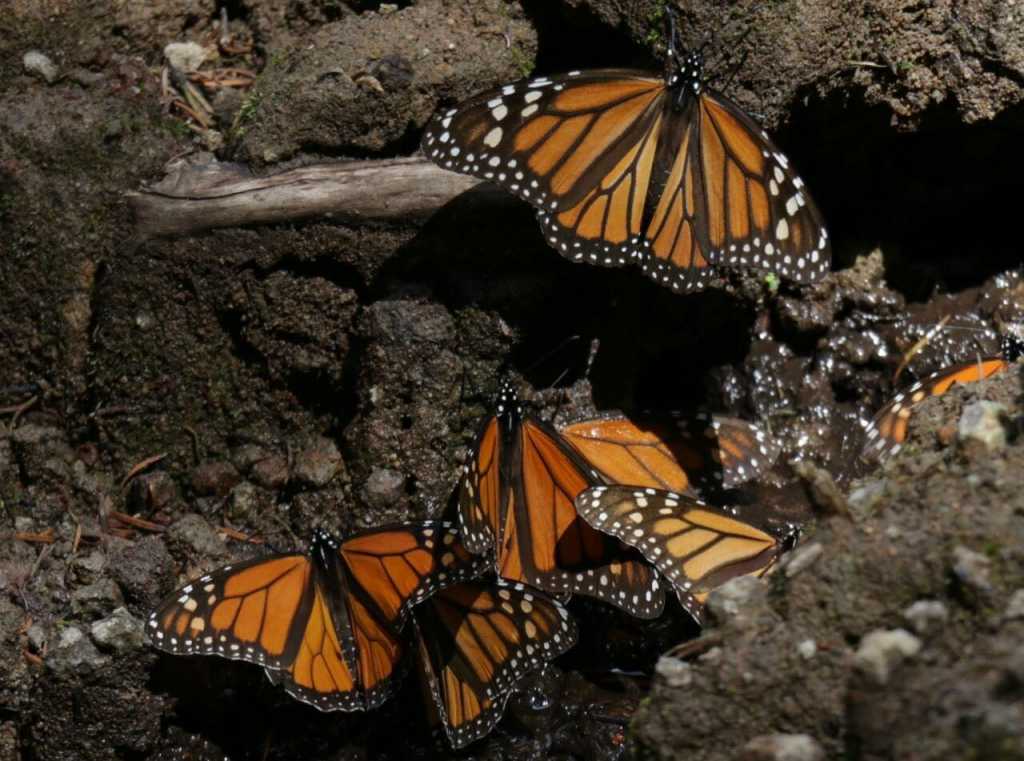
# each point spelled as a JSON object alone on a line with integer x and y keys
{"x": 931, "y": 546}
{"x": 170, "y": 405}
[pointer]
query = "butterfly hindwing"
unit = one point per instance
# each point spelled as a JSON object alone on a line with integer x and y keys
{"x": 476, "y": 640}
{"x": 696, "y": 547}
{"x": 888, "y": 430}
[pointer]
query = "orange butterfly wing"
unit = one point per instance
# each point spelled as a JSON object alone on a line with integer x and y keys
{"x": 476, "y": 640}
{"x": 674, "y": 456}
{"x": 888, "y": 430}
{"x": 697, "y": 547}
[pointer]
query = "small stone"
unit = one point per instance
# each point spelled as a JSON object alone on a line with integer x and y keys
{"x": 1015, "y": 607}
{"x": 214, "y": 478}
{"x": 318, "y": 462}
{"x": 384, "y": 487}
{"x": 74, "y": 653}
{"x": 36, "y": 434}
{"x": 730, "y": 600}
{"x": 40, "y": 65}
{"x": 386, "y": 8}
{"x": 271, "y": 472}
{"x": 782, "y": 748}
{"x": 924, "y": 615}
{"x": 802, "y": 558}
{"x": 982, "y": 421}
{"x": 23, "y": 524}
{"x": 37, "y": 637}
{"x": 247, "y": 455}
{"x": 86, "y": 568}
{"x": 675, "y": 672}
{"x": 151, "y": 492}
{"x": 881, "y": 651}
{"x": 807, "y": 649}
{"x": 119, "y": 632}
{"x": 971, "y": 568}
{"x": 95, "y": 600}
{"x": 185, "y": 56}
{"x": 243, "y": 500}
{"x": 863, "y": 499}
{"x": 197, "y": 535}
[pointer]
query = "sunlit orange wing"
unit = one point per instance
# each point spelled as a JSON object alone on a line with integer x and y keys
{"x": 888, "y": 430}
{"x": 697, "y": 547}
{"x": 675, "y": 455}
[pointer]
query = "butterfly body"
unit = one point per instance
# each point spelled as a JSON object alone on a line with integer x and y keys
{"x": 516, "y": 506}
{"x": 627, "y": 167}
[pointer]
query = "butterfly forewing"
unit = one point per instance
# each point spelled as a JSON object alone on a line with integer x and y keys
{"x": 479, "y": 492}
{"x": 476, "y": 640}
{"x": 759, "y": 214}
{"x": 674, "y": 454}
{"x": 697, "y": 547}
{"x": 224, "y": 613}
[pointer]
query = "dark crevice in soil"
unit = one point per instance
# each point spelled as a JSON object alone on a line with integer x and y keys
{"x": 935, "y": 200}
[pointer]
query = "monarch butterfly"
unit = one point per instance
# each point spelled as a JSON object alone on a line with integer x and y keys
{"x": 515, "y": 503}
{"x": 716, "y": 451}
{"x": 326, "y": 624}
{"x": 476, "y": 640}
{"x": 696, "y": 547}
{"x": 888, "y": 429}
{"x": 627, "y": 166}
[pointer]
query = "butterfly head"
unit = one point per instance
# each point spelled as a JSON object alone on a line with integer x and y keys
{"x": 509, "y": 405}
{"x": 1012, "y": 347}
{"x": 684, "y": 69}
{"x": 324, "y": 545}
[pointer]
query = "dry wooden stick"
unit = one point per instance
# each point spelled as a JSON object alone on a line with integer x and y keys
{"x": 194, "y": 197}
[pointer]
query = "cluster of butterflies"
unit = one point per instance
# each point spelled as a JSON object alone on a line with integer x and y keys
{"x": 606, "y": 508}
{"x": 622, "y": 167}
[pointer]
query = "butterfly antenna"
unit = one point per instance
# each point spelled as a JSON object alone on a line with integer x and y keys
{"x": 551, "y": 352}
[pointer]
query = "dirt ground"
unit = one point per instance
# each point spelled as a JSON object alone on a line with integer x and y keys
{"x": 163, "y": 399}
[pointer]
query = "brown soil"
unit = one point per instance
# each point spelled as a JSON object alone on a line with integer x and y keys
{"x": 330, "y": 375}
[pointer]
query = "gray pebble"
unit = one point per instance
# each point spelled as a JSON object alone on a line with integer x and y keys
{"x": 982, "y": 421}
{"x": 782, "y": 747}
{"x": 882, "y": 651}
{"x": 119, "y": 632}
{"x": 40, "y": 65}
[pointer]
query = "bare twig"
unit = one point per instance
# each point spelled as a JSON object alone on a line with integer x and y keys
{"x": 141, "y": 466}
{"x": 194, "y": 197}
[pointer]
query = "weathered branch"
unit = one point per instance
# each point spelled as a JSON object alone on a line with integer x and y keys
{"x": 195, "y": 197}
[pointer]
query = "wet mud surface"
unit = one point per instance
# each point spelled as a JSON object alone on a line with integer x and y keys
{"x": 165, "y": 401}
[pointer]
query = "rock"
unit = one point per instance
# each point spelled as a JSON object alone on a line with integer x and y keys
{"x": 318, "y": 462}
{"x": 86, "y": 568}
{"x": 142, "y": 569}
{"x": 981, "y": 421}
{"x": 882, "y": 651}
{"x": 36, "y": 434}
{"x": 675, "y": 672}
{"x": 243, "y": 500}
{"x": 74, "y": 653}
{"x": 925, "y": 615}
{"x": 40, "y": 65}
{"x": 271, "y": 472}
{"x": 383, "y": 487}
{"x": 736, "y": 596}
{"x": 807, "y": 648}
{"x": 119, "y": 632}
{"x": 782, "y": 748}
{"x": 971, "y": 568}
{"x": 185, "y": 56}
{"x": 151, "y": 492}
{"x": 214, "y": 478}
{"x": 195, "y": 534}
{"x": 96, "y": 599}
{"x": 37, "y": 637}
{"x": 1015, "y": 607}
{"x": 863, "y": 499}
{"x": 801, "y": 558}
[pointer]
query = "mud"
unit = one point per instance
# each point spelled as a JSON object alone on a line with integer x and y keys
{"x": 272, "y": 380}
